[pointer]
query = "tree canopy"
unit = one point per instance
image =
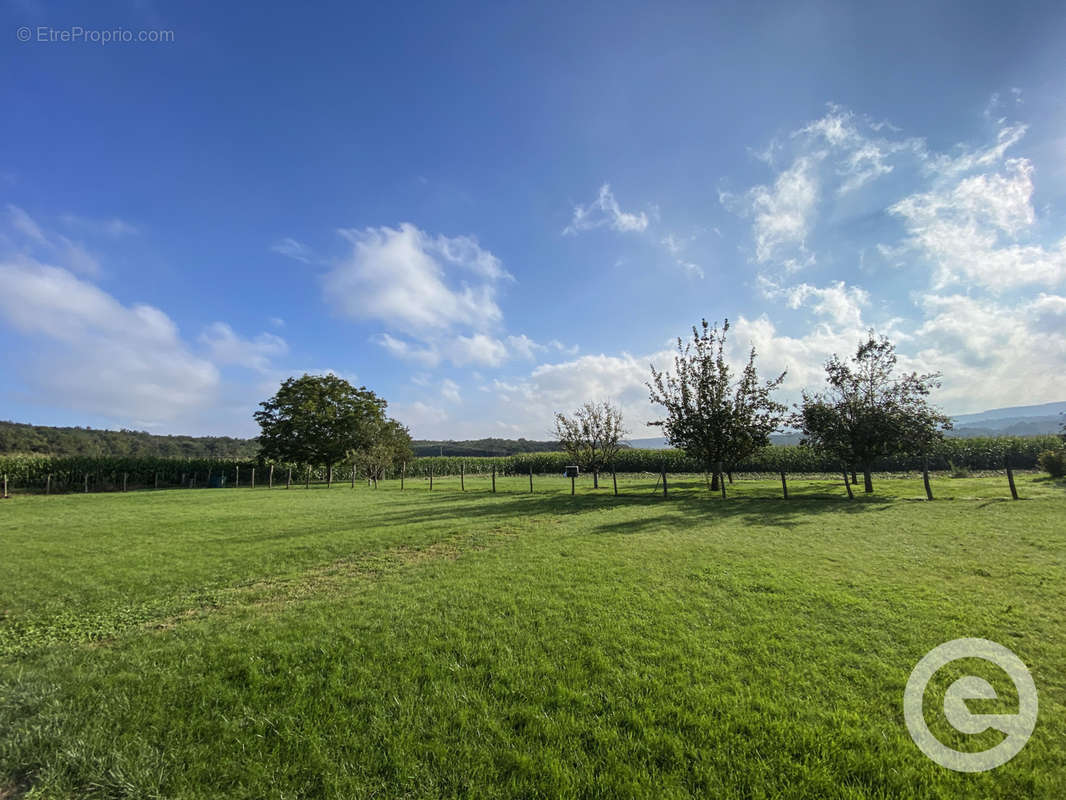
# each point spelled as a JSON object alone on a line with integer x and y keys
{"x": 715, "y": 419}
{"x": 865, "y": 412}
{"x": 319, "y": 419}
{"x": 591, "y": 436}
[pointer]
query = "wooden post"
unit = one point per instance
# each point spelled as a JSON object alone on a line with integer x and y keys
{"x": 236, "y": 476}
{"x": 462, "y": 476}
{"x": 329, "y": 477}
{"x": 86, "y": 483}
{"x": 307, "y": 477}
{"x": 270, "y": 477}
{"x": 48, "y": 484}
{"x": 157, "y": 479}
{"x": 531, "y": 480}
{"x": 207, "y": 483}
{"x": 925, "y": 478}
{"x": 572, "y": 481}
{"x": 664, "y": 483}
{"x": 847, "y": 486}
{"x": 125, "y": 477}
{"x": 253, "y": 478}
{"x": 614, "y": 480}
{"x": 1010, "y": 477}
{"x": 431, "y": 479}
{"x": 183, "y": 480}
{"x": 5, "y": 486}
{"x": 721, "y": 479}
{"x": 288, "y": 479}
{"x": 353, "y": 474}
{"x": 784, "y": 486}
{"x": 494, "y": 478}
{"x": 403, "y": 473}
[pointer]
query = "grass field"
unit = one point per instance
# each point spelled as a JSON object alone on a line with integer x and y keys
{"x": 373, "y": 643}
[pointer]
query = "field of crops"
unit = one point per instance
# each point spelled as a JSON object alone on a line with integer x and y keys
{"x": 31, "y": 472}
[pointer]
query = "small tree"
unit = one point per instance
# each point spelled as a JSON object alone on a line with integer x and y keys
{"x": 318, "y": 419}
{"x": 390, "y": 444}
{"x": 714, "y": 420}
{"x": 591, "y": 437}
{"x": 865, "y": 413}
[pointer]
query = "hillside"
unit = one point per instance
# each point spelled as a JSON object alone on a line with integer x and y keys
{"x": 16, "y": 437}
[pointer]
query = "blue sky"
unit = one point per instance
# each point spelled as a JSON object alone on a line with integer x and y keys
{"x": 490, "y": 212}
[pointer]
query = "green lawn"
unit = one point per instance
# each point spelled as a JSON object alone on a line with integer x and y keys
{"x": 373, "y": 643}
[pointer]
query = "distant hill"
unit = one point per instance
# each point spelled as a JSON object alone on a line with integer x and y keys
{"x": 16, "y": 437}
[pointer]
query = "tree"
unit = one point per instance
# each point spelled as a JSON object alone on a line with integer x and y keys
{"x": 715, "y": 420}
{"x": 390, "y": 444}
{"x": 318, "y": 419}
{"x": 865, "y": 413}
{"x": 591, "y": 437}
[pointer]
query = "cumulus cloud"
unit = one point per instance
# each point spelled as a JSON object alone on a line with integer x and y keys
{"x": 36, "y": 242}
{"x": 399, "y": 276}
{"x": 226, "y": 347}
{"x": 604, "y": 212}
{"x": 97, "y": 355}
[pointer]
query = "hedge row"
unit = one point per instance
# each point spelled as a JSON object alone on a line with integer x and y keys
{"x": 68, "y": 473}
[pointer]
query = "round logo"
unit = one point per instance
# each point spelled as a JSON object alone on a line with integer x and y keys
{"x": 1017, "y": 727}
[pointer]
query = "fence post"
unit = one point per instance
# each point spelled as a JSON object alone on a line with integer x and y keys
{"x": 86, "y": 483}
{"x": 157, "y": 479}
{"x": 403, "y": 472}
{"x": 353, "y": 474}
{"x": 573, "y": 480}
{"x": 183, "y": 480}
{"x": 270, "y": 477}
{"x": 664, "y": 483}
{"x": 125, "y": 477}
{"x": 207, "y": 483}
{"x": 48, "y": 484}
{"x": 494, "y": 478}
{"x": 288, "y": 479}
{"x": 721, "y": 479}
{"x": 462, "y": 476}
{"x": 307, "y": 478}
{"x": 253, "y": 478}
{"x": 431, "y": 479}
{"x": 5, "y": 486}
{"x": 925, "y": 478}
{"x": 236, "y": 477}
{"x": 329, "y": 477}
{"x": 847, "y": 486}
{"x": 784, "y": 485}
{"x": 531, "y": 480}
{"x": 614, "y": 480}
{"x": 1010, "y": 477}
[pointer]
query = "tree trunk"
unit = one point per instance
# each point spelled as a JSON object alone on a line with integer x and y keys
{"x": 867, "y": 479}
{"x": 730, "y": 474}
{"x": 714, "y": 482}
{"x": 595, "y": 479}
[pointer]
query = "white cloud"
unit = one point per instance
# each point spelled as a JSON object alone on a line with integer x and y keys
{"x": 397, "y": 275}
{"x": 604, "y": 212}
{"x": 37, "y": 242}
{"x": 96, "y": 355}
{"x": 226, "y": 347}
{"x": 449, "y": 390}
{"x": 293, "y": 249}
{"x": 524, "y": 347}
{"x": 25, "y": 224}
{"x": 113, "y": 228}
{"x": 460, "y": 350}
{"x": 782, "y": 213}
{"x": 838, "y": 302}
{"x": 973, "y": 229}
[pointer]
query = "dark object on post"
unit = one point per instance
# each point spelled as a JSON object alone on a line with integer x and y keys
{"x": 784, "y": 485}
{"x": 571, "y": 472}
{"x": 1010, "y": 477}
{"x": 216, "y": 481}
{"x": 847, "y": 486}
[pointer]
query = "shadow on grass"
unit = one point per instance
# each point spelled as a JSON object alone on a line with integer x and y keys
{"x": 685, "y": 505}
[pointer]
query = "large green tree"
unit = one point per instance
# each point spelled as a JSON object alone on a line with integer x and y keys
{"x": 866, "y": 411}
{"x": 716, "y": 419}
{"x": 390, "y": 444}
{"x": 319, "y": 419}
